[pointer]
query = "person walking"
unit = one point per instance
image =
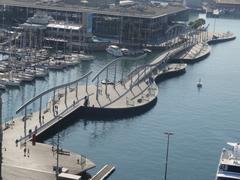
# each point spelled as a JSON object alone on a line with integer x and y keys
{"x": 28, "y": 152}
{"x": 24, "y": 151}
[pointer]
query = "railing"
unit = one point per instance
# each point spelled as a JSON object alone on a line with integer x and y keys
{"x": 52, "y": 89}
{"x": 143, "y": 71}
{"x": 53, "y": 121}
{"x": 24, "y": 106}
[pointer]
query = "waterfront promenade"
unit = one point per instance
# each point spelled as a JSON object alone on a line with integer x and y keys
{"x": 137, "y": 90}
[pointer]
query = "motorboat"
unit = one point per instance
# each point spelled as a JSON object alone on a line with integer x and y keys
{"x": 41, "y": 72}
{"x": 85, "y": 57}
{"x": 114, "y": 50}
{"x": 56, "y": 64}
{"x": 124, "y": 52}
{"x": 59, "y": 56}
{"x": 229, "y": 163}
{"x": 24, "y": 76}
{"x": 14, "y": 82}
{"x": 72, "y": 60}
{"x": 37, "y": 72}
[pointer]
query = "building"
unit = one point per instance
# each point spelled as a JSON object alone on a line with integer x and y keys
{"x": 227, "y": 4}
{"x": 225, "y": 8}
{"x": 126, "y": 22}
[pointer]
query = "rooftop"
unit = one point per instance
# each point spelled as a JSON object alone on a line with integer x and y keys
{"x": 137, "y": 10}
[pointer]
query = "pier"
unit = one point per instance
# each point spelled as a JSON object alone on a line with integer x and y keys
{"x": 103, "y": 173}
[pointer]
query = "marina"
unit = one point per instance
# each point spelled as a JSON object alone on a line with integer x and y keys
{"x": 60, "y": 104}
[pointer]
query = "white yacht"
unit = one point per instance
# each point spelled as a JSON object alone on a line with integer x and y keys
{"x": 82, "y": 56}
{"x": 114, "y": 50}
{"x": 229, "y": 163}
{"x": 119, "y": 52}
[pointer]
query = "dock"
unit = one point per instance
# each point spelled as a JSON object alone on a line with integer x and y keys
{"x": 194, "y": 54}
{"x": 103, "y": 173}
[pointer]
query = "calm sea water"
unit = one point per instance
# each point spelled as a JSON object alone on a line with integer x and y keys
{"x": 202, "y": 121}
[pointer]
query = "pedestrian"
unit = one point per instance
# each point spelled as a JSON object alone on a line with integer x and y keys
{"x": 86, "y": 101}
{"x": 28, "y": 152}
{"x": 24, "y": 150}
{"x": 16, "y": 142}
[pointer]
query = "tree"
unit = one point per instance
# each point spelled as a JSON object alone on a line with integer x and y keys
{"x": 198, "y": 23}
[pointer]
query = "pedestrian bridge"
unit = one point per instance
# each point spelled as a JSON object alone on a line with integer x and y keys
{"x": 135, "y": 90}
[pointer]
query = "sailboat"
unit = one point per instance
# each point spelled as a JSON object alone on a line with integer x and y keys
{"x": 199, "y": 83}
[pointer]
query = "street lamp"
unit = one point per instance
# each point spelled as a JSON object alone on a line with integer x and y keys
{"x": 166, "y": 165}
{"x": 57, "y": 167}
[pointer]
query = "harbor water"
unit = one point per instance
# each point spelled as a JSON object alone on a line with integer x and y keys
{"x": 202, "y": 120}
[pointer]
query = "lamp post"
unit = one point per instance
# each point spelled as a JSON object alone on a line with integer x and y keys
{"x": 166, "y": 165}
{"x": 57, "y": 167}
{"x": 58, "y": 137}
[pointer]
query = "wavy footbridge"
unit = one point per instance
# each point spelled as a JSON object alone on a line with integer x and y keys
{"x": 134, "y": 93}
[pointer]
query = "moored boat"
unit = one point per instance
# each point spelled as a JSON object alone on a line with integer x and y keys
{"x": 114, "y": 50}
{"x": 57, "y": 64}
{"x": 229, "y": 163}
{"x": 14, "y": 82}
{"x": 124, "y": 52}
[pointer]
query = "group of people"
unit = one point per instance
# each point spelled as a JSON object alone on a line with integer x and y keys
{"x": 26, "y": 152}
